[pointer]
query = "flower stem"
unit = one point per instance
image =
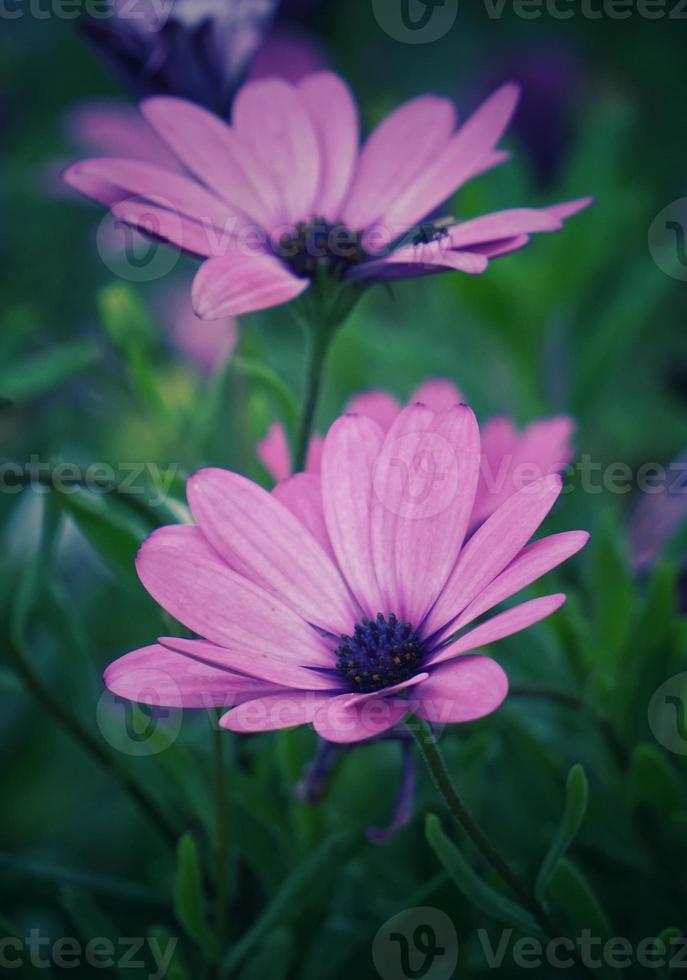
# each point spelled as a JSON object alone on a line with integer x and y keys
{"x": 318, "y": 345}
{"x": 434, "y": 760}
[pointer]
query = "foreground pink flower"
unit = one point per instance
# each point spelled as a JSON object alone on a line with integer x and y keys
{"x": 284, "y": 195}
{"x": 510, "y": 459}
{"x": 349, "y": 599}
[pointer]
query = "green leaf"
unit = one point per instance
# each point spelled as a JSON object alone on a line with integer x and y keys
{"x": 189, "y": 898}
{"x": 273, "y": 959}
{"x": 571, "y": 890}
{"x": 653, "y": 781}
{"x": 263, "y": 375}
{"x": 111, "y": 529}
{"x": 576, "y": 799}
{"x": 612, "y": 589}
{"x": 36, "y": 375}
{"x": 477, "y": 891}
{"x": 301, "y": 887}
{"x": 162, "y": 938}
{"x": 125, "y": 318}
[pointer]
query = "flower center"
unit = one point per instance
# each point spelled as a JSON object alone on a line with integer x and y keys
{"x": 316, "y": 242}
{"x": 380, "y": 653}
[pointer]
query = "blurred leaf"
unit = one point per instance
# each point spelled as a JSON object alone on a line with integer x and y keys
{"x": 273, "y": 959}
{"x": 576, "y": 799}
{"x": 125, "y": 318}
{"x": 477, "y": 891}
{"x": 189, "y": 898}
{"x": 573, "y": 893}
{"x": 38, "y": 374}
{"x": 265, "y": 376}
{"x": 162, "y": 938}
{"x": 302, "y": 887}
{"x": 653, "y": 781}
{"x": 112, "y": 531}
{"x": 612, "y": 591}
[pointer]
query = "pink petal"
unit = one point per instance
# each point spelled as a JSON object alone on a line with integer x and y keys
{"x": 379, "y": 406}
{"x": 492, "y": 547}
{"x": 274, "y": 712}
{"x": 159, "y": 222}
{"x": 274, "y": 452}
{"x": 351, "y": 718}
{"x": 505, "y": 624}
{"x": 502, "y": 224}
{"x": 503, "y": 246}
{"x": 533, "y": 561}
{"x": 114, "y": 129}
{"x": 395, "y": 155}
{"x": 262, "y": 662}
{"x": 513, "y": 460}
{"x": 302, "y": 495}
{"x": 271, "y": 118}
{"x": 424, "y": 484}
{"x": 350, "y": 450}
{"x": 190, "y": 581}
{"x": 439, "y": 394}
{"x": 462, "y": 690}
{"x": 158, "y": 676}
{"x": 569, "y": 208}
{"x": 420, "y": 260}
{"x": 471, "y": 146}
{"x": 213, "y": 153}
{"x": 313, "y": 459}
{"x": 243, "y": 283}
{"x": 262, "y": 540}
{"x": 335, "y": 116}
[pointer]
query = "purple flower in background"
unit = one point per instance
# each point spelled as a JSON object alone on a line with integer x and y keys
{"x": 198, "y": 49}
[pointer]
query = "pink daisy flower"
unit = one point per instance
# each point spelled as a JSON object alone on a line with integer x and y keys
{"x": 285, "y": 195}
{"x": 346, "y": 600}
{"x": 510, "y": 459}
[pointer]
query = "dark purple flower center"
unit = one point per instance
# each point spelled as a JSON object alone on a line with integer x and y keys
{"x": 316, "y": 243}
{"x": 380, "y": 653}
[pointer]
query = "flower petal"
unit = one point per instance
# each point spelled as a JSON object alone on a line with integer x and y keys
{"x": 502, "y": 224}
{"x": 351, "y": 718}
{"x": 491, "y": 548}
{"x": 471, "y": 146}
{"x": 274, "y": 712}
{"x": 302, "y": 495}
{"x": 212, "y": 152}
{"x": 419, "y": 260}
{"x": 184, "y": 575}
{"x": 424, "y": 484}
{"x": 377, "y": 405}
{"x": 335, "y": 116}
{"x": 439, "y": 394}
{"x": 262, "y": 540}
{"x": 243, "y": 283}
{"x": 117, "y": 129}
{"x": 462, "y": 690}
{"x": 274, "y": 452}
{"x": 161, "y": 677}
{"x": 271, "y": 118}
{"x": 504, "y": 624}
{"x": 568, "y": 208}
{"x": 158, "y": 221}
{"x": 395, "y": 156}
{"x": 350, "y": 450}
{"x": 533, "y": 561}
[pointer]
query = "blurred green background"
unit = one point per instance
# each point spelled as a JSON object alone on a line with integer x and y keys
{"x": 587, "y": 322}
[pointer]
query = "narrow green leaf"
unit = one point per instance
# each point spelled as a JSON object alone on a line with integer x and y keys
{"x": 112, "y": 531}
{"x": 189, "y": 898}
{"x": 653, "y": 782}
{"x": 48, "y": 369}
{"x": 260, "y": 373}
{"x": 301, "y": 887}
{"x": 576, "y": 799}
{"x": 571, "y": 890}
{"x": 477, "y": 891}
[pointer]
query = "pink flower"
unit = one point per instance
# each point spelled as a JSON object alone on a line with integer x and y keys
{"x": 510, "y": 459}
{"x": 285, "y": 195}
{"x": 349, "y": 599}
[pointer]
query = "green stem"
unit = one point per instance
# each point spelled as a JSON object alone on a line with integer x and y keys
{"x": 222, "y": 831}
{"x": 434, "y": 760}
{"x": 318, "y": 345}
